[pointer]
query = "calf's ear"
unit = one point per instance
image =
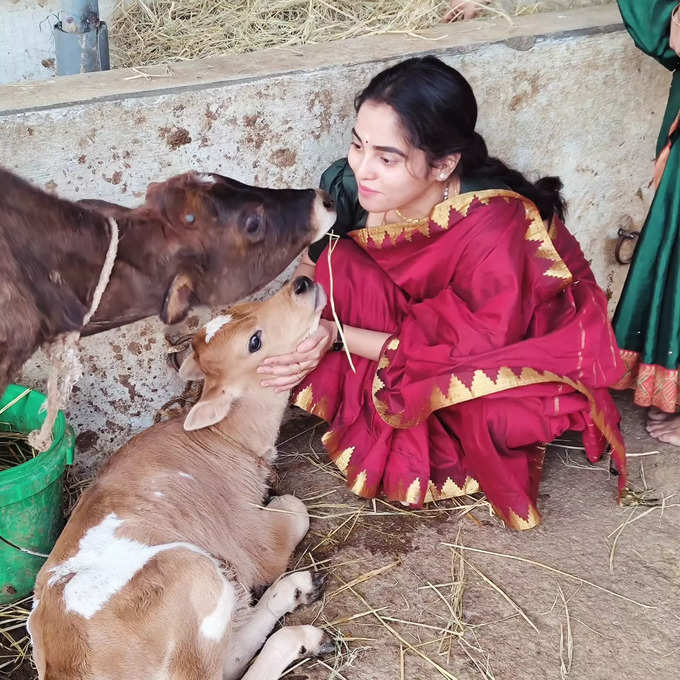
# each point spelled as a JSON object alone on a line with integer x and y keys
{"x": 190, "y": 370}
{"x": 178, "y": 299}
{"x": 209, "y": 410}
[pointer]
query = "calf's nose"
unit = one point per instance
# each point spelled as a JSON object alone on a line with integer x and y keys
{"x": 301, "y": 285}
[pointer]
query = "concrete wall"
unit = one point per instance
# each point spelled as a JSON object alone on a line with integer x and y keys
{"x": 566, "y": 93}
{"x": 26, "y": 43}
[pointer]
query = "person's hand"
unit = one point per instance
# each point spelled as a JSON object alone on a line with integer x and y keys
{"x": 675, "y": 31}
{"x": 285, "y": 371}
{"x": 463, "y": 9}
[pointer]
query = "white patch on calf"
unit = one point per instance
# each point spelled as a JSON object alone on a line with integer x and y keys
{"x": 214, "y": 325}
{"x": 160, "y": 494}
{"x": 186, "y": 474}
{"x": 103, "y": 565}
{"x": 215, "y": 625}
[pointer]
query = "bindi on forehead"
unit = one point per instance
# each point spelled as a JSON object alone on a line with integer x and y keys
{"x": 363, "y": 140}
{"x": 386, "y": 149}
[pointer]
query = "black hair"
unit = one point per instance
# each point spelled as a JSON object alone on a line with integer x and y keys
{"x": 438, "y": 111}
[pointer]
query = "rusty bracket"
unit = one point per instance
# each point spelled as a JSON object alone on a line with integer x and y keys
{"x": 625, "y": 235}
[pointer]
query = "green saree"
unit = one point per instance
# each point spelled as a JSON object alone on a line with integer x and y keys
{"x": 647, "y": 319}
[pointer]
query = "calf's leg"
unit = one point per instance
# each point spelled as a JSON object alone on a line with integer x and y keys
{"x": 290, "y": 515}
{"x": 286, "y": 521}
{"x": 251, "y": 631}
{"x": 286, "y": 646}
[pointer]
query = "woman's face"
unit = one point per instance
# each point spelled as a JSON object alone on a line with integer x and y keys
{"x": 390, "y": 173}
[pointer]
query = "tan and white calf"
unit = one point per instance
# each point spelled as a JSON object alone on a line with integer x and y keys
{"x": 152, "y": 576}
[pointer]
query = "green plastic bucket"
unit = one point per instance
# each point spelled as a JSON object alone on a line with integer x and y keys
{"x": 31, "y": 495}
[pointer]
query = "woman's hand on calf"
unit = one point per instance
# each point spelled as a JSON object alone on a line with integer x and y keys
{"x": 287, "y": 370}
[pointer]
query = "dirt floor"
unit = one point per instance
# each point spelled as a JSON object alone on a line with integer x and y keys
{"x": 582, "y": 631}
{"x": 409, "y": 606}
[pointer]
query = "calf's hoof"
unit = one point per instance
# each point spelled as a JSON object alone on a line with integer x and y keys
{"x": 319, "y": 581}
{"x": 315, "y": 642}
{"x": 294, "y": 590}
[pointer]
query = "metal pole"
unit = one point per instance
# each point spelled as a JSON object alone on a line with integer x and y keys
{"x": 83, "y": 14}
{"x": 81, "y": 39}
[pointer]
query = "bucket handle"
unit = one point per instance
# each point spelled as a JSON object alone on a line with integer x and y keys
{"x": 20, "y": 549}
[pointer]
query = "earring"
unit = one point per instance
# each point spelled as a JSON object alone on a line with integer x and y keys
{"x": 442, "y": 177}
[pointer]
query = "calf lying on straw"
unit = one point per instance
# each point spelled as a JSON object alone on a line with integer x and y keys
{"x": 152, "y": 575}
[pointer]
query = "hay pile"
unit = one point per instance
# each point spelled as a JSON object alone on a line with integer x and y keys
{"x": 148, "y": 32}
{"x": 15, "y": 644}
{"x": 14, "y": 447}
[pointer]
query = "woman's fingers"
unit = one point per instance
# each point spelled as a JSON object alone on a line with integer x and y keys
{"x": 283, "y": 382}
{"x": 283, "y": 360}
{"x": 322, "y": 337}
{"x": 289, "y": 369}
{"x": 464, "y": 9}
{"x": 313, "y": 341}
{"x": 310, "y": 349}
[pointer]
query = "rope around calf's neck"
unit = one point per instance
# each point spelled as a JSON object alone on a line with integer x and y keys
{"x": 65, "y": 366}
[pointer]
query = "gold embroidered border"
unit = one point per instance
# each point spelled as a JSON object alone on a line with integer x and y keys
{"x": 441, "y": 217}
{"x": 450, "y": 489}
{"x": 378, "y": 234}
{"x": 305, "y": 400}
{"x": 342, "y": 457}
{"x": 515, "y": 521}
{"x": 546, "y": 250}
{"x": 653, "y": 385}
{"x": 482, "y": 385}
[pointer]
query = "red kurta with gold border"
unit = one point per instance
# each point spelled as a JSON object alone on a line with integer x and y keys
{"x": 499, "y": 341}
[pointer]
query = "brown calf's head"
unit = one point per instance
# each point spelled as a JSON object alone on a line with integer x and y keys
{"x": 231, "y": 238}
{"x": 228, "y": 350}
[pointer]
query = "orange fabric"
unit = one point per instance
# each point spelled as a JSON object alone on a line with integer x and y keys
{"x": 653, "y": 385}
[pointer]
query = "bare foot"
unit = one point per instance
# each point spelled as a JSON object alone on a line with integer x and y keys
{"x": 463, "y": 9}
{"x": 667, "y": 430}
{"x": 654, "y": 413}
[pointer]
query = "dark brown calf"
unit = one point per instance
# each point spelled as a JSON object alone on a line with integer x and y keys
{"x": 197, "y": 239}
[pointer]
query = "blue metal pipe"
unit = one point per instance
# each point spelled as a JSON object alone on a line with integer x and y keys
{"x": 81, "y": 39}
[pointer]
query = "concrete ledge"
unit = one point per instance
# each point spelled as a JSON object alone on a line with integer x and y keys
{"x": 195, "y": 75}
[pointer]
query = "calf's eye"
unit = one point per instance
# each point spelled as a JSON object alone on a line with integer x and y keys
{"x": 253, "y": 224}
{"x": 255, "y": 342}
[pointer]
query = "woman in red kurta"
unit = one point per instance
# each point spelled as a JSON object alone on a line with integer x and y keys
{"x": 476, "y": 328}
